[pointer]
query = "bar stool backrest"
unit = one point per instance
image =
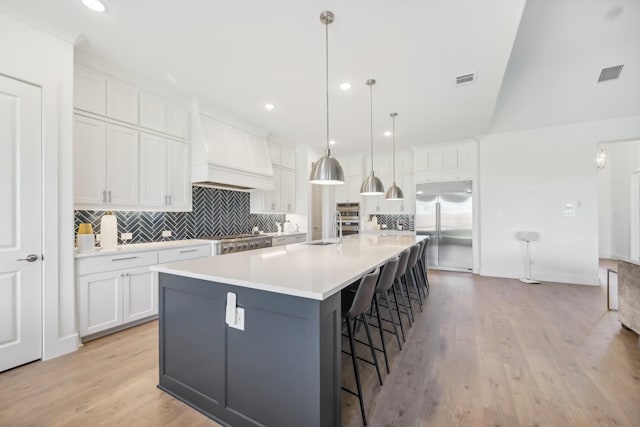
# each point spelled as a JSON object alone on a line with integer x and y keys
{"x": 402, "y": 265}
{"x": 387, "y": 275}
{"x": 364, "y": 294}
{"x": 413, "y": 255}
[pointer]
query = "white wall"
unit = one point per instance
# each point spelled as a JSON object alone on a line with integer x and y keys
{"x": 526, "y": 177}
{"x": 623, "y": 158}
{"x": 31, "y": 55}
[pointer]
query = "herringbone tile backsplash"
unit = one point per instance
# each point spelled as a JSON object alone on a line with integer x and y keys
{"x": 392, "y": 221}
{"x": 215, "y": 212}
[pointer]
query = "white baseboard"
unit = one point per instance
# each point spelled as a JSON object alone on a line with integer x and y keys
{"x": 63, "y": 346}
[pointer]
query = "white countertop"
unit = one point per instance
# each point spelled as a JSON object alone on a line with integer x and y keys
{"x": 284, "y": 233}
{"x": 302, "y": 270}
{"x": 140, "y": 247}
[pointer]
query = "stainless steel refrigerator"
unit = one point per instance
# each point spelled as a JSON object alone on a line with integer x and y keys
{"x": 444, "y": 212}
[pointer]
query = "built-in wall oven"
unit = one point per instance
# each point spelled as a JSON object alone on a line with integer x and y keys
{"x": 349, "y": 216}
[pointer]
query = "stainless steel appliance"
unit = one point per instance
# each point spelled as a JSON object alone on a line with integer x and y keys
{"x": 239, "y": 243}
{"x": 349, "y": 218}
{"x": 444, "y": 212}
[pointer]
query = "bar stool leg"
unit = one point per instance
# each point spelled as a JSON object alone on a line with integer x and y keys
{"x": 407, "y": 306}
{"x": 393, "y": 321}
{"x": 356, "y": 370}
{"x": 371, "y": 347}
{"x": 414, "y": 280}
{"x": 403, "y": 283}
{"x": 380, "y": 327}
{"x": 395, "y": 300}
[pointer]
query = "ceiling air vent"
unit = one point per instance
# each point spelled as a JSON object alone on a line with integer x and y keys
{"x": 465, "y": 79}
{"x": 610, "y": 73}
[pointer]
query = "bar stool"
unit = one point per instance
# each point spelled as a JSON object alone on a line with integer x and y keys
{"x": 411, "y": 274}
{"x": 385, "y": 281}
{"x": 422, "y": 268}
{"x": 360, "y": 301}
{"x": 408, "y": 311}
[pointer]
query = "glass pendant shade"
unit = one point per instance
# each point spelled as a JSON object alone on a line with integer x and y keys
{"x": 394, "y": 193}
{"x": 327, "y": 171}
{"x": 371, "y": 186}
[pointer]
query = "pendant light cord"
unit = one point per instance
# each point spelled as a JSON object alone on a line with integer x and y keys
{"x": 371, "y": 117}
{"x": 393, "y": 117}
{"x": 326, "y": 28}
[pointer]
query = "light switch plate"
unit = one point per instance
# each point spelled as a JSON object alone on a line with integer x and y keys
{"x": 166, "y": 233}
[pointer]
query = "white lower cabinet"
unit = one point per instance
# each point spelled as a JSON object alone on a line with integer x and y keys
{"x": 139, "y": 295}
{"x": 99, "y": 302}
{"x": 114, "y": 290}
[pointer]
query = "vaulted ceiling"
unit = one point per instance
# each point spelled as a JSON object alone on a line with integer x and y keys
{"x": 536, "y": 63}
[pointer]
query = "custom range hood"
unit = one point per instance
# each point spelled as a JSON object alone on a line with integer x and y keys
{"x": 226, "y": 156}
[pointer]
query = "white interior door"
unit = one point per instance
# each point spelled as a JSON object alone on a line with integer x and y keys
{"x": 20, "y": 223}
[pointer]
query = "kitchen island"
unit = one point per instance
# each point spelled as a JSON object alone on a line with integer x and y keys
{"x": 275, "y": 362}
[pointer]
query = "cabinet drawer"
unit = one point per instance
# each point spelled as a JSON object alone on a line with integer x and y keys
{"x": 300, "y": 238}
{"x": 179, "y": 254}
{"x": 121, "y": 261}
{"x": 279, "y": 241}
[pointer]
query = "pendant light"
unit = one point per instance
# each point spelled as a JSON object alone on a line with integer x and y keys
{"x": 371, "y": 186}
{"x": 394, "y": 192}
{"x": 327, "y": 170}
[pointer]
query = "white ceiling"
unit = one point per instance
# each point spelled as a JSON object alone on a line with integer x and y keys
{"x": 238, "y": 55}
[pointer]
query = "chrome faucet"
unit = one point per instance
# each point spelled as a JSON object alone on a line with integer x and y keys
{"x": 339, "y": 221}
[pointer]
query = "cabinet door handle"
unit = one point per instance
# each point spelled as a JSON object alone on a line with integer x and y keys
{"x": 188, "y": 250}
{"x": 169, "y": 199}
{"x": 104, "y": 196}
{"x": 124, "y": 259}
{"x": 109, "y": 194}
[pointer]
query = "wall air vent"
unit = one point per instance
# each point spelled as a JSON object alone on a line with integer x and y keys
{"x": 610, "y": 73}
{"x": 466, "y": 79}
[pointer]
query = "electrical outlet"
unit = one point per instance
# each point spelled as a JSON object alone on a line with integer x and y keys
{"x": 166, "y": 233}
{"x": 239, "y": 320}
{"x": 126, "y": 236}
{"x": 569, "y": 212}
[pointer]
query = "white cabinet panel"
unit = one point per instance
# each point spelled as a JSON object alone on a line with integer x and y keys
{"x": 89, "y": 91}
{"x": 100, "y": 302}
{"x": 288, "y": 191}
{"x": 178, "y": 175}
{"x": 450, "y": 158}
{"x": 122, "y": 166}
{"x": 425, "y": 178}
{"x": 153, "y": 112}
{"x": 122, "y": 101}
{"x": 140, "y": 294}
{"x": 177, "y": 120}
{"x": 179, "y": 254}
{"x": 435, "y": 160}
{"x": 89, "y": 165}
{"x": 458, "y": 175}
{"x": 466, "y": 157}
{"x": 349, "y": 192}
{"x": 287, "y": 158}
{"x": 153, "y": 170}
{"x": 274, "y": 153}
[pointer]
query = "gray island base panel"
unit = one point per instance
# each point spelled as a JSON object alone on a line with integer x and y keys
{"x": 282, "y": 370}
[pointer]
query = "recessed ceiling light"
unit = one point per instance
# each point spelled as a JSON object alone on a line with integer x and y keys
{"x": 332, "y": 142}
{"x": 387, "y": 133}
{"x": 345, "y": 86}
{"x": 95, "y": 5}
{"x": 269, "y": 106}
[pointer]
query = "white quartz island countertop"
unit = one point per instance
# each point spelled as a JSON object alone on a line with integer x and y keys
{"x": 303, "y": 269}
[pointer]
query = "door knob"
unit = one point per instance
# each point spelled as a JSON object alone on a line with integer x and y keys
{"x": 29, "y": 258}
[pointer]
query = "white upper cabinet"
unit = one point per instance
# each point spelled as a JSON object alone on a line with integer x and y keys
{"x": 160, "y": 114}
{"x": 177, "y": 120}
{"x": 105, "y": 166}
{"x": 351, "y": 166}
{"x": 153, "y": 112}
{"x": 90, "y": 91}
{"x": 122, "y": 166}
{"x": 282, "y": 199}
{"x": 287, "y": 191}
{"x": 122, "y": 101}
{"x": 89, "y": 165}
{"x": 444, "y": 162}
{"x": 164, "y": 173}
{"x": 287, "y": 158}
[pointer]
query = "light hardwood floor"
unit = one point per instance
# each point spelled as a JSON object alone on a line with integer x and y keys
{"x": 485, "y": 351}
